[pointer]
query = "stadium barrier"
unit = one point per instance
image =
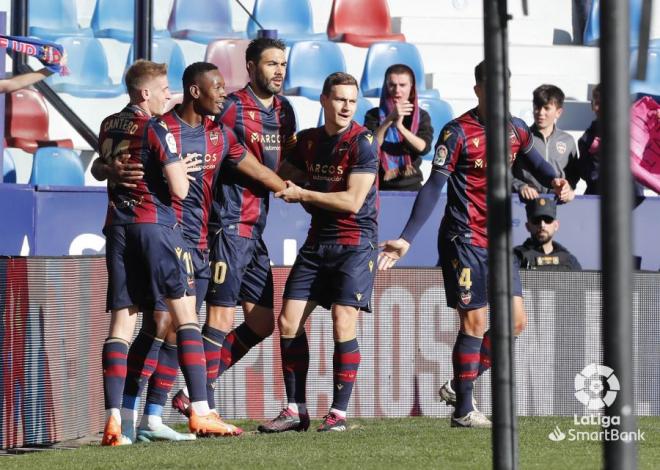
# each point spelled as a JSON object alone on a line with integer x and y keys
{"x": 53, "y": 324}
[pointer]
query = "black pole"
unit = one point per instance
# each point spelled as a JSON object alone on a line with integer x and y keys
{"x": 616, "y": 205}
{"x": 643, "y": 40}
{"x": 142, "y": 31}
{"x": 499, "y": 233}
{"x": 19, "y": 27}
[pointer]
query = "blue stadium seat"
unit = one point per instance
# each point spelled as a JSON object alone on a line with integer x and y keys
{"x": 592, "y": 29}
{"x": 8, "y": 168}
{"x": 116, "y": 19}
{"x": 88, "y": 67}
{"x": 363, "y": 106}
{"x": 292, "y": 19}
{"x": 310, "y": 62}
{"x": 56, "y": 166}
{"x": 650, "y": 86}
{"x": 383, "y": 54}
{"x": 202, "y": 21}
{"x": 166, "y": 50}
{"x": 51, "y": 19}
{"x": 441, "y": 113}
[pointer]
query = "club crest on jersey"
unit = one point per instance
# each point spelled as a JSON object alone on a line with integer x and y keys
{"x": 512, "y": 137}
{"x": 561, "y": 147}
{"x": 358, "y": 296}
{"x": 466, "y": 297}
{"x": 446, "y": 135}
{"x": 171, "y": 143}
{"x": 251, "y": 113}
{"x": 440, "y": 155}
{"x": 475, "y": 141}
{"x": 214, "y": 137}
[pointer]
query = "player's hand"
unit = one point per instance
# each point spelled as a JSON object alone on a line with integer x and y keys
{"x": 393, "y": 251}
{"x": 562, "y": 188}
{"x": 292, "y": 193}
{"x": 123, "y": 173}
{"x": 193, "y": 164}
{"x": 528, "y": 192}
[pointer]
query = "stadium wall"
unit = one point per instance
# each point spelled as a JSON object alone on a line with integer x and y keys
{"x": 53, "y": 324}
{"x": 56, "y": 221}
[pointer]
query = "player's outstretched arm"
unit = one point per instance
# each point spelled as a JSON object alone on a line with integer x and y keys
{"x": 351, "y": 200}
{"x": 425, "y": 202}
{"x": 251, "y": 167}
{"x": 288, "y": 171}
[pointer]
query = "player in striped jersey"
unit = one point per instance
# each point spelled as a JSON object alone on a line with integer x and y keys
{"x": 241, "y": 274}
{"x": 335, "y": 268}
{"x": 144, "y": 245}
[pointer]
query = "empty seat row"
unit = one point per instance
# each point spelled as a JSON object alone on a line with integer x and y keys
{"x": 51, "y": 166}
{"x": 357, "y": 22}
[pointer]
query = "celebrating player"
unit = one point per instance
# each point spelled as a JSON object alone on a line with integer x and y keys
{"x": 335, "y": 266}
{"x": 461, "y": 159}
{"x": 145, "y": 250}
{"x": 264, "y": 122}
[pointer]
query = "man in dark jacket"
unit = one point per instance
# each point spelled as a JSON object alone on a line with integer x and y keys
{"x": 540, "y": 251}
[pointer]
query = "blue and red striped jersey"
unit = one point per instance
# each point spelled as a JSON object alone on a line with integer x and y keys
{"x": 328, "y": 161}
{"x": 461, "y": 153}
{"x": 149, "y": 142}
{"x": 214, "y": 145}
{"x": 268, "y": 134}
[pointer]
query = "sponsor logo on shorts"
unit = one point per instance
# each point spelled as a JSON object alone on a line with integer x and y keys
{"x": 371, "y": 266}
{"x": 358, "y": 296}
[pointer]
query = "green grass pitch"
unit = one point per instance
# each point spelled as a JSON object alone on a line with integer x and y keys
{"x": 370, "y": 443}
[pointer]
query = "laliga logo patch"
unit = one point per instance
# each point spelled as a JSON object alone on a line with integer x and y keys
{"x": 171, "y": 143}
{"x": 466, "y": 297}
{"x": 440, "y": 155}
{"x": 561, "y": 147}
{"x": 213, "y": 137}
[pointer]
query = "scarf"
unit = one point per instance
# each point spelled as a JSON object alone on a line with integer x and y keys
{"x": 645, "y": 142}
{"x": 394, "y": 165}
{"x": 48, "y": 53}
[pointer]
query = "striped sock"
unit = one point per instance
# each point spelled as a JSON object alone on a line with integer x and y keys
{"x": 162, "y": 380}
{"x": 236, "y": 345}
{"x": 113, "y": 358}
{"x": 465, "y": 359}
{"x": 213, "y": 339}
{"x": 484, "y": 354}
{"x": 191, "y": 359}
{"x": 295, "y": 364}
{"x": 345, "y": 363}
{"x": 141, "y": 363}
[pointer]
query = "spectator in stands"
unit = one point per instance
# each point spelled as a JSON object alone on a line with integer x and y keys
{"x": 403, "y": 130}
{"x": 589, "y": 147}
{"x": 7, "y": 85}
{"x": 557, "y": 146}
{"x": 540, "y": 251}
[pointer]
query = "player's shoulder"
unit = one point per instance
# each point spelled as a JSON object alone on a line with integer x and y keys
{"x": 520, "y": 124}
{"x": 312, "y": 133}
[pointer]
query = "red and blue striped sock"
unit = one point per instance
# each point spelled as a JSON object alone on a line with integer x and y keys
{"x": 485, "y": 361}
{"x": 190, "y": 350}
{"x": 213, "y": 339}
{"x": 163, "y": 378}
{"x": 113, "y": 358}
{"x": 345, "y": 363}
{"x": 236, "y": 345}
{"x": 295, "y": 364}
{"x": 465, "y": 359}
{"x": 141, "y": 363}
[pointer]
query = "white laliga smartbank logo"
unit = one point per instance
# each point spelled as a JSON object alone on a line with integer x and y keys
{"x": 591, "y": 382}
{"x": 596, "y": 387}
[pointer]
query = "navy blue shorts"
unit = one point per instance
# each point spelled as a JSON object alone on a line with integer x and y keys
{"x": 202, "y": 274}
{"x": 465, "y": 273}
{"x": 146, "y": 263}
{"x": 334, "y": 274}
{"x": 240, "y": 271}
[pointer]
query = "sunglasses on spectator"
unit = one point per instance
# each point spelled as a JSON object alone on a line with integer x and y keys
{"x": 545, "y": 218}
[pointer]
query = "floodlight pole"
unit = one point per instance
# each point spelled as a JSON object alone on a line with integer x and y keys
{"x": 616, "y": 206}
{"x": 142, "y": 30}
{"x": 504, "y": 440}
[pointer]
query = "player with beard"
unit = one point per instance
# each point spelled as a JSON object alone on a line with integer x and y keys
{"x": 264, "y": 123}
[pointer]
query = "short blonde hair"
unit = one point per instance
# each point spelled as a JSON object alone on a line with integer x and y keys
{"x": 141, "y": 71}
